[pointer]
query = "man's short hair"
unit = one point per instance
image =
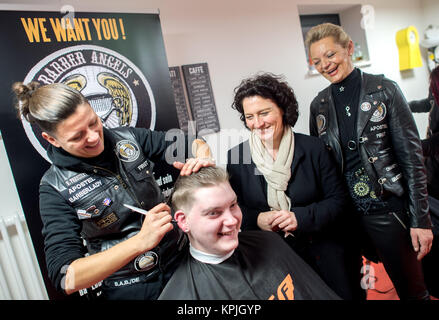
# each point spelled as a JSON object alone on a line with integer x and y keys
{"x": 183, "y": 195}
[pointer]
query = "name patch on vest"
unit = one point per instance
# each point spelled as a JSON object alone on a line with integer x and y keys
{"x": 378, "y": 127}
{"x": 127, "y": 282}
{"x": 75, "y": 179}
{"x": 143, "y": 165}
{"x": 78, "y": 189}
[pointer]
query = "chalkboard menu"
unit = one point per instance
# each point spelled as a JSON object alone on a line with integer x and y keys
{"x": 200, "y": 95}
{"x": 183, "y": 112}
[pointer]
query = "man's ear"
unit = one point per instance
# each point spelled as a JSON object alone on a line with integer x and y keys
{"x": 50, "y": 139}
{"x": 180, "y": 217}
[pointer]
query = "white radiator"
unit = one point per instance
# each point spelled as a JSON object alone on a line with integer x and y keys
{"x": 20, "y": 277}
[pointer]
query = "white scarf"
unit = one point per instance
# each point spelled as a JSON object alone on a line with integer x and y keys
{"x": 277, "y": 172}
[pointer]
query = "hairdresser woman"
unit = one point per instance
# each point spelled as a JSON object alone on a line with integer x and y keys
{"x": 94, "y": 172}
{"x": 367, "y": 123}
{"x": 286, "y": 182}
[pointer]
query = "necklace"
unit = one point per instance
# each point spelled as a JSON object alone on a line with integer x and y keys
{"x": 348, "y": 113}
{"x": 352, "y": 144}
{"x": 347, "y": 108}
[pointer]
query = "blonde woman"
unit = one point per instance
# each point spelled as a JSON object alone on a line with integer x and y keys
{"x": 367, "y": 123}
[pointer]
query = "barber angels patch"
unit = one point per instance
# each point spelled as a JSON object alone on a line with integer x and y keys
{"x": 379, "y": 114}
{"x": 127, "y": 151}
{"x": 116, "y": 89}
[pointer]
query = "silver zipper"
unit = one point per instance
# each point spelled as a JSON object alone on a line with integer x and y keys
{"x": 400, "y": 221}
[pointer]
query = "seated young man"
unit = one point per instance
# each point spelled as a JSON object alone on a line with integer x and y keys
{"x": 224, "y": 263}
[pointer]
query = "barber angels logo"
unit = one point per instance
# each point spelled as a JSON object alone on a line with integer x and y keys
{"x": 116, "y": 89}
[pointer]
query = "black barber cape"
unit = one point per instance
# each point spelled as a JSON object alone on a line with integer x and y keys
{"x": 262, "y": 267}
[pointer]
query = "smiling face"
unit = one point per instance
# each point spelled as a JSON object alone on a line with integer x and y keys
{"x": 80, "y": 134}
{"x": 213, "y": 222}
{"x": 265, "y": 118}
{"x": 331, "y": 59}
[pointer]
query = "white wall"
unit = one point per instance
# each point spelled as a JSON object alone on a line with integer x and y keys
{"x": 10, "y": 206}
{"x": 8, "y": 191}
{"x": 240, "y": 38}
{"x": 430, "y": 10}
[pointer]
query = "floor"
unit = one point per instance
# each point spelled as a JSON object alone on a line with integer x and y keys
{"x": 377, "y": 281}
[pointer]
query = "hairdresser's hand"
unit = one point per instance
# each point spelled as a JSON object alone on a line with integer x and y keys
{"x": 422, "y": 240}
{"x": 156, "y": 224}
{"x": 193, "y": 165}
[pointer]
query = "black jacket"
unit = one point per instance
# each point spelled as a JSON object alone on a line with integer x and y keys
{"x": 388, "y": 140}
{"x": 315, "y": 189}
{"x": 318, "y": 200}
{"x": 80, "y": 201}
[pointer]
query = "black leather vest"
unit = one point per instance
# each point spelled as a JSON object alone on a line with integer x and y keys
{"x": 98, "y": 195}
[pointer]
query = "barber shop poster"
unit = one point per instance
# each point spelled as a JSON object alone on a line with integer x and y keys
{"x": 116, "y": 60}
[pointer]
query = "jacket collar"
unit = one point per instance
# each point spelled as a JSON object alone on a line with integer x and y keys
{"x": 369, "y": 84}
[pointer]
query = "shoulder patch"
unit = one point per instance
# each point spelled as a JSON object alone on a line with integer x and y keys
{"x": 127, "y": 151}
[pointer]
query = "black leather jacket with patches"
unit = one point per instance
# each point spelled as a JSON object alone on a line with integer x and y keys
{"x": 387, "y": 138}
{"x": 83, "y": 202}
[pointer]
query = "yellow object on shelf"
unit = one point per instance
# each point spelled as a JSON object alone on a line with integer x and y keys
{"x": 407, "y": 41}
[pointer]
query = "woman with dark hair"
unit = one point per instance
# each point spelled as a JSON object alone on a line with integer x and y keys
{"x": 286, "y": 182}
{"x": 367, "y": 123}
{"x": 90, "y": 237}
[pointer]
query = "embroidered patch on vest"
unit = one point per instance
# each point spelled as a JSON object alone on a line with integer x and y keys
{"x": 379, "y": 114}
{"x": 146, "y": 261}
{"x": 83, "y": 214}
{"x": 107, "y": 220}
{"x": 107, "y": 202}
{"x": 365, "y": 106}
{"x": 127, "y": 151}
{"x": 81, "y": 188}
